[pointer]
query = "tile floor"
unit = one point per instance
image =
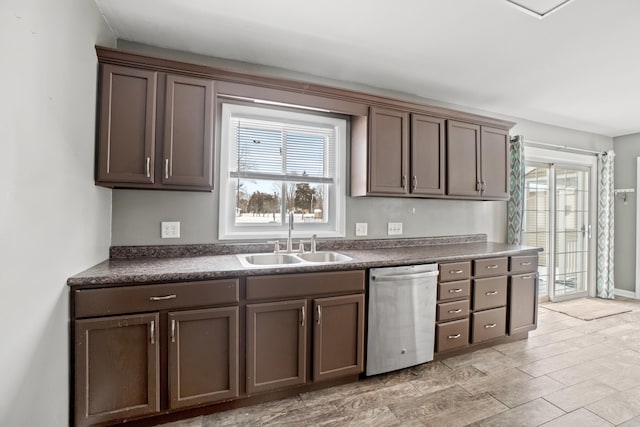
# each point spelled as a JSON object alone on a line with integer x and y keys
{"x": 569, "y": 372}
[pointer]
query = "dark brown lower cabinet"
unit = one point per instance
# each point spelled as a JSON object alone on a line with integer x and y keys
{"x": 523, "y": 303}
{"x": 338, "y": 337}
{"x": 117, "y": 368}
{"x": 276, "y": 345}
{"x": 203, "y": 356}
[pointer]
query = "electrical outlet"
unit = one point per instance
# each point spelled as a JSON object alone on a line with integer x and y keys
{"x": 394, "y": 228}
{"x": 361, "y": 229}
{"x": 170, "y": 229}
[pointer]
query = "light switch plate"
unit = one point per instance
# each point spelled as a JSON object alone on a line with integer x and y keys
{"x": 394, "y": 228}
{"x": 170, "y": 229}
{"x": 361, "y": 228}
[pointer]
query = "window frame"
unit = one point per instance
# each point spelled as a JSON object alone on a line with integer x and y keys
{"x": 336, "y": 191}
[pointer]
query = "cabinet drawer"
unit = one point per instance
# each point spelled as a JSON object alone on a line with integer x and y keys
{"x": 490, "y": 267}
{"x": 455, "y": 271}
{"x": 454, "y": 290}
{"x": 141, "y": 298}
{"x": 489, "y": 293}
{"x": 452, "y": 310}
{"x": 304, "y": 285}
{"x": 524, "y": 264}
{"x": 452, "y": 335}
{"x": 489, "y": 324}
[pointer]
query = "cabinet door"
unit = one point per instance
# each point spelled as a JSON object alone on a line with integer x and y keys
{"x": 523, "y": 303}
{"x": 276, "y": 345}
{"x": 126, "y": 137}
{"x": 427, "y": 154}
{"x": 495, "y": 163}
{"x": 203, "y": 356}
{"x": 338, "y": 337}
{"x": 117, "y": 368}
{"x": 188, "y": 132}
{"x": 463, "y": 159}
{"x": 388, "y": 151}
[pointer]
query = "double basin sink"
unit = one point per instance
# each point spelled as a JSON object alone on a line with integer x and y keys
{"x": 251, "y": 260}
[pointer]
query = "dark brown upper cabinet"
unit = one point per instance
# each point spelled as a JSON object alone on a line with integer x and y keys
{"x": 155, "y": 130}
{"x": 477, "y": 161}
{"x": 126, "y": 138}
{"x": 403, "y": 154}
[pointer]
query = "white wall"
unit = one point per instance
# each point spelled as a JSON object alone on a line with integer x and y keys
{"x": 53, "y": 221}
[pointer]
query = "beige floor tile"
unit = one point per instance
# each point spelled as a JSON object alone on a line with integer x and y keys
{"x": 467, "y": 411}
{"x": 516, "y": 393}
{"x": 538, "y": 353}
{"x": 378, "y": 398}
{"x": 351, "y": 389}
{"x": 431, "y": 404}
{"x": 634, "y": 422}
{"x": 579, "y": 373}
{"x": 546, "y": 339}
{"x": 533, "y": 413}
{"x": 619, "y": 407}
{"x": 192, "y": 422}
{"x": 471, "y": 358}
{"x": 578, "y": 418}
{"x": 491, "y": 382}
{"x": 443, "y": 379}
{"x": 565, "y": 360}
{"x": 573, "y": 397}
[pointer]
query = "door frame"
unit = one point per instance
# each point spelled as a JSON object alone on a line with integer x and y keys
{"x": 569, "y": 159}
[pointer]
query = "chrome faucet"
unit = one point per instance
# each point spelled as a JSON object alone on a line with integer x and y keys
{"x": 289, "y": 244}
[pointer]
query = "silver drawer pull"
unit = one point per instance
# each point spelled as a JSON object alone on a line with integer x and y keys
{"x": 173, "y": 330}
{"x": 455, "y": 311}
{"x": 491, "y": 293}
{"x": 454, "y": 337}
{"x": 524, "y": 264}
{"x": 456, "y": 271}
{"x": 152, "y": 331}
{"x": 490, "y": 325}
{"x": 455, "y": 291}
{"x": 527, "y": 277}
{"x": 164, "y": 297}
{"x": 492, "y": 267}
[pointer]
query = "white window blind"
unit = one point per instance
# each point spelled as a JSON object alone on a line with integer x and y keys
{"x": 289, "y": 152}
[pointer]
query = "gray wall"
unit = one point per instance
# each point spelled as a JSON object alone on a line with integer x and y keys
{"x": 137, "y": 214}
{"x": 627, "y": 149}
{"x": 55, "y": 222}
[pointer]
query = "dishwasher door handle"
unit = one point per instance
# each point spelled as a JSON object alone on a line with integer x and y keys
{"x": 397, "y": 277}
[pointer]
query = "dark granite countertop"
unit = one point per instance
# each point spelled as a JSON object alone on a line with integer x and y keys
{"x": 156, "y": 269}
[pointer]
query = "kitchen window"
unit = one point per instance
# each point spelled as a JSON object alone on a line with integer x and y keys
{"x": 277, "y": 161}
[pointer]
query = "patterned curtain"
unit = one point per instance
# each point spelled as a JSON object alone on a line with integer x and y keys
{"x": 604, "y": 268}
{"x": 515, "y": 205}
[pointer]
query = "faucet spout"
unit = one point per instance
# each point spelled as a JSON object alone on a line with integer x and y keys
{"x": 289, "y": 244}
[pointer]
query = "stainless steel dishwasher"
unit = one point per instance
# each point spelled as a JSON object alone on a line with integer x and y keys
{"x": 402, "y": 316}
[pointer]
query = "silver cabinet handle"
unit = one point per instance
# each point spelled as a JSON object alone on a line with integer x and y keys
{"x": 404, "y": 182}
{"x": 319, "y": 314}
{"x": 492, "y": 266}
{"x": 484, "y": 185}
{"x": 414, "y": 180}
{"x": 478, "y": 188}
{"x": 525, "y": 264}
{"x": 148, "y": 167}
{"x": 455, "y": 311}
{"x": 173, "y": 330}
{"x": 491, "y": 293}
{"x": 527, "y": 277}
{"x": 454, "y": 337}
{"x": 163, "y": 298}
{"x": 455, "y": 271}
{"x": 152, "y": 331}
{"x": 166, "y": 168}
{"x": 303, "y": 316}
{"x": 455, "y": 291}
{"x": 490, "y": 325}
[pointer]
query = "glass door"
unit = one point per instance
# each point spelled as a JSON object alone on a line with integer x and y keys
{"x": 557, "y": 219}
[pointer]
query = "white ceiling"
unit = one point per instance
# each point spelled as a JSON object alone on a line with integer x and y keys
{"x": 578, "y": 67}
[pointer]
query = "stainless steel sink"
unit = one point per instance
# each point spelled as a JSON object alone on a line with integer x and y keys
{"x": 252, "y": 260}
{"x": 269, "y": 259}
{"x": 324, "y": 257}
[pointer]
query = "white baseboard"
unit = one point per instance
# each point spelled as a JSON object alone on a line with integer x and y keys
{"x": 623, "y": 293}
